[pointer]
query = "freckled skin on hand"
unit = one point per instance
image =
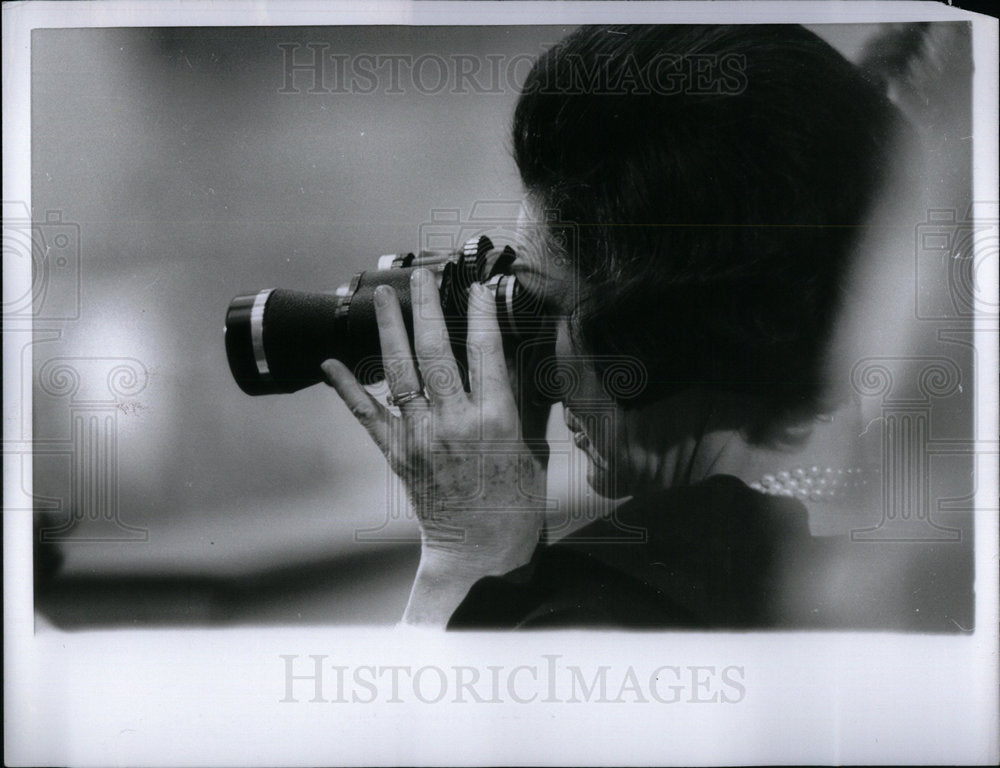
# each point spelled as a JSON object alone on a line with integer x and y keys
{"x": 477, "y": 490}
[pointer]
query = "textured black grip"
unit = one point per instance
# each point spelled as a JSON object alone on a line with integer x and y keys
{"x": 301, "y": 330}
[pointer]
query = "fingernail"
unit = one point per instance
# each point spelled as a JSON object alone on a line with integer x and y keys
{"x": 382, "y": 295}
{"x": 327, "y": 366}
{"x": 419, "y": 276}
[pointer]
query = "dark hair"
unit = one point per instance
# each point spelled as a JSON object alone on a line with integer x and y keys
{"x": 715, "y": 178}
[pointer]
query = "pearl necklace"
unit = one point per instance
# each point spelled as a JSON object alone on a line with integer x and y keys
{"x": 814, "y": 483}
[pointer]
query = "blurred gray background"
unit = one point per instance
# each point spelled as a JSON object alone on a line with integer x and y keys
{"x": 189, "y": 177}
{"x": 192, "y": 178}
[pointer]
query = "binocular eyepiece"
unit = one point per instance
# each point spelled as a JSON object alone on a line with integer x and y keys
{"x": 276, "y": 339}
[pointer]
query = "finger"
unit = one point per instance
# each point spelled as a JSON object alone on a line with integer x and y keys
{"x": 397, "y": 359}
{"x": 487, "y": 366}
{"x": 365, "y": 408}
{"x": 430, "y": 336}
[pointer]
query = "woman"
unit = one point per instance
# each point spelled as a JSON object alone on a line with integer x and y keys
{"x": 716, "y": 178}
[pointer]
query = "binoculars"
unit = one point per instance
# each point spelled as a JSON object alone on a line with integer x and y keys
{"x": 276, "y": 339}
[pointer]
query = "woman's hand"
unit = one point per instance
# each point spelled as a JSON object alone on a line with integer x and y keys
{"x": 476, "y": 488}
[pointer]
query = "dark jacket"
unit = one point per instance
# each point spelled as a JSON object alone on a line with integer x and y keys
{"x": 702, "y": 556}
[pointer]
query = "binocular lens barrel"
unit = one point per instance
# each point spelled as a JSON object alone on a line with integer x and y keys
{"x": 276, "y": 339}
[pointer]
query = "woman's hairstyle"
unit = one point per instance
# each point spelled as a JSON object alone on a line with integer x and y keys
{"x": 712, "y": 181}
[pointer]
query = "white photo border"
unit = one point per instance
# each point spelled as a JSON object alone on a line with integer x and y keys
{"x": 214, "y": 697}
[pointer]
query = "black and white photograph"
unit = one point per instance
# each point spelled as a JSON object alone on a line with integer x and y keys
{"x": 500, "y": 383}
